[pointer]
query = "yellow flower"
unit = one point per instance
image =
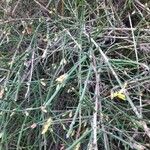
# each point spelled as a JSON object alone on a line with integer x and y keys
{"x": 46, "y": 125}
{"x": 118, "y": 94}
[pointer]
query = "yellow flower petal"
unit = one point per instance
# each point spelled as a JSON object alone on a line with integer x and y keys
{"x": 118, "y": 94}
{"x": 121, "y": 96}
{"x": 43, "y": 82}
{"x": 43, "y": 108}
{"x": 63, "y": 62}
{"x": 46, "y": 125}
{"x": 61, "y": 78}
{"x": 70, "y": 114}
{"x": 77, "y": 147}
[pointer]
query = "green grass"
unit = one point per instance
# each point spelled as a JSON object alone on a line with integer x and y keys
{"x": 100, "y": 47}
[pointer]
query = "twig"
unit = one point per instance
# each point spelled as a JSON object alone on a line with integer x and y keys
{"x": 134, "y": 41}
{"x": 30, "y": 77}
{"x": 137, "y": 60}
{"x": 142, "y": 6}
{"x": 94, "y": 126}
{"x": 79, "y": 105}
{"x": 98, "y": 108}
{"x": 127, "y": 29}
{"x": 48, "y": 42}
{"x": 15, "y": 7}
{"x": 38, "y": 3}
{"x": 10, "y": 20}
